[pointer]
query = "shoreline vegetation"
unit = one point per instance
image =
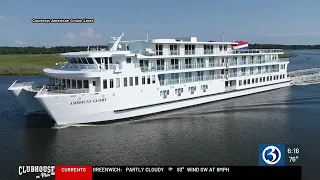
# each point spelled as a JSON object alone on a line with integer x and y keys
{"x": 285, "y": 55}
{"x": 26, "y": 64}
{"x": 32, "y": 60}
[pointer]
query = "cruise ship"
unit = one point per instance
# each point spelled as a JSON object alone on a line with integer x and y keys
{"x": 135, "y": 78}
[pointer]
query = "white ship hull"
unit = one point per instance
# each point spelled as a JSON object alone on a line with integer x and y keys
{"x": 63, "y": 113}
{"x": 145, "y": 77}
{"x": 25, "y": 95}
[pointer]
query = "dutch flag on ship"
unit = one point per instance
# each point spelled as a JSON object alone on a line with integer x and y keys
{"x": 242, "y": 45}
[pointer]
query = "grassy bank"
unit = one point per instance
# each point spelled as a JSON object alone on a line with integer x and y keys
{"x": 287, "y": 55}
{"x": 27, "y": 64}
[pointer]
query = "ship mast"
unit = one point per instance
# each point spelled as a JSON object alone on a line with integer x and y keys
{"x": 115, "y": 45}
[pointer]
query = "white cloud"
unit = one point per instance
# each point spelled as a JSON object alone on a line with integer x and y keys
{"x": 19, "y": 42}
{"x": 90, "y": 33}
{"x": 293, "y": 34}
{"x": 87, "y": 37}
{"x": 70, "y": 36}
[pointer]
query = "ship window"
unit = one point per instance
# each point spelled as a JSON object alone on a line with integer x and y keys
{"x": 117, "y": 82}
{"x": 68, "y": 83}
{"x": 90, "y": 61}
{"x": 79, "y": 84}
{"x": 240, "y": 82}
{"x": 280, "y": 76}
{"x": 73, "y": 84}
{"x": 111, "y": 83}
{"x": 267, "y": 78}
{"x": 85, "y": 83}
{"x": 98, "y": 60}
{"x": 131, "y": 81}
{"x": 136, "y": 80}
{"x": 125, "y": 83}
{"x": 248, "y": 81}
{"x": 94, "y": 83}
{"x": 73, "y": 60}
{"x": 256, "y": 80}
{"x": 129, "y": 60}
{"x": 148, "y": 79}
{"x": 225, "y": 47}
{"x": 143, "y": 80}
{"x": 84, "y": 61}
{"x": 264, "y": 79}
{"x": 252, "y": 80}
{"x": 78, "y": 60}
{"x": 105, "y": 84}
{"x": 153, "y": 79}
{"x": 244, "y": 82}
{"x": 64, "y": 82}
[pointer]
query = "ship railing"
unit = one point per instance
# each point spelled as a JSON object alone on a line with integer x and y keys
{"x": 51, "y": 90}
{"x": 242, "y": 62}
{"x": 216, "y": 64}
{"x": 230, "y": 88}
{"x": 30, "y": 86}
{"x": 63, "y": 65}
{"x": 167, "y": 52}
{"x": 251, "y": 51}
{"x": 164, "y": 82}
{"x": 23, "y": 84}
{"x": 210, "y": 51}
{"x": 233, "y": 75}
{"x": 178, "y": 67}
{"x": 239, "y": 74}
{"x": 174, "y": 52}
{"x": 283, "y": 59}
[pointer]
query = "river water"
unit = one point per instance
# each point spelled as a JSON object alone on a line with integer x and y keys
{"x": 220, "y": 133}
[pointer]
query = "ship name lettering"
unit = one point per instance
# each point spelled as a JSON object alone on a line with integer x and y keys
{"x": 88, "y": 101}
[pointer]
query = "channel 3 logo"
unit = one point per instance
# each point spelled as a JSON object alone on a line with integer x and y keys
{"x": 271, "y": 155}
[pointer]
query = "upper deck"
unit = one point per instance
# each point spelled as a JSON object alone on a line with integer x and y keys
{"x": 128, "y": 56}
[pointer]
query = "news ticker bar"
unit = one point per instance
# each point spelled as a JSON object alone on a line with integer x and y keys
{"x": 63, "y": 172}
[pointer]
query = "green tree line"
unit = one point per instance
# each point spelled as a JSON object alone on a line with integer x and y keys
{"x": 44, "y": 50}
{"x": 63, "y": 49}
{"x": 280, "y": 46}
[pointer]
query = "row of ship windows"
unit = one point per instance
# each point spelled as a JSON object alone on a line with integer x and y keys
{"x": 129, "y": 81}
{"x": 261, "y": 79}
{"x": 179, "y": 91}
{"x": 159, "y": 47}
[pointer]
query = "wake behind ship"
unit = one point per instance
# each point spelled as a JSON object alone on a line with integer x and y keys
{"x": 135, "y": 78}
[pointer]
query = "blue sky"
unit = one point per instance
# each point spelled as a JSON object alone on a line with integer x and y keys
{"x": 257, "y": 21}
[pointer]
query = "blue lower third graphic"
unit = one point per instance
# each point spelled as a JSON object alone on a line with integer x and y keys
{"x": 271, "y": 155}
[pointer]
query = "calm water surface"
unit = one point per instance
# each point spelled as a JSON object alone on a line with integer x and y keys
{"x": 221, "y": 133}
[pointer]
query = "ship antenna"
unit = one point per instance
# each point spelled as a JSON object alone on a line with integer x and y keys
{"x": 223, "y": 37}
{"x": 147, "y": 35}
{"x": 115, "y": 45}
